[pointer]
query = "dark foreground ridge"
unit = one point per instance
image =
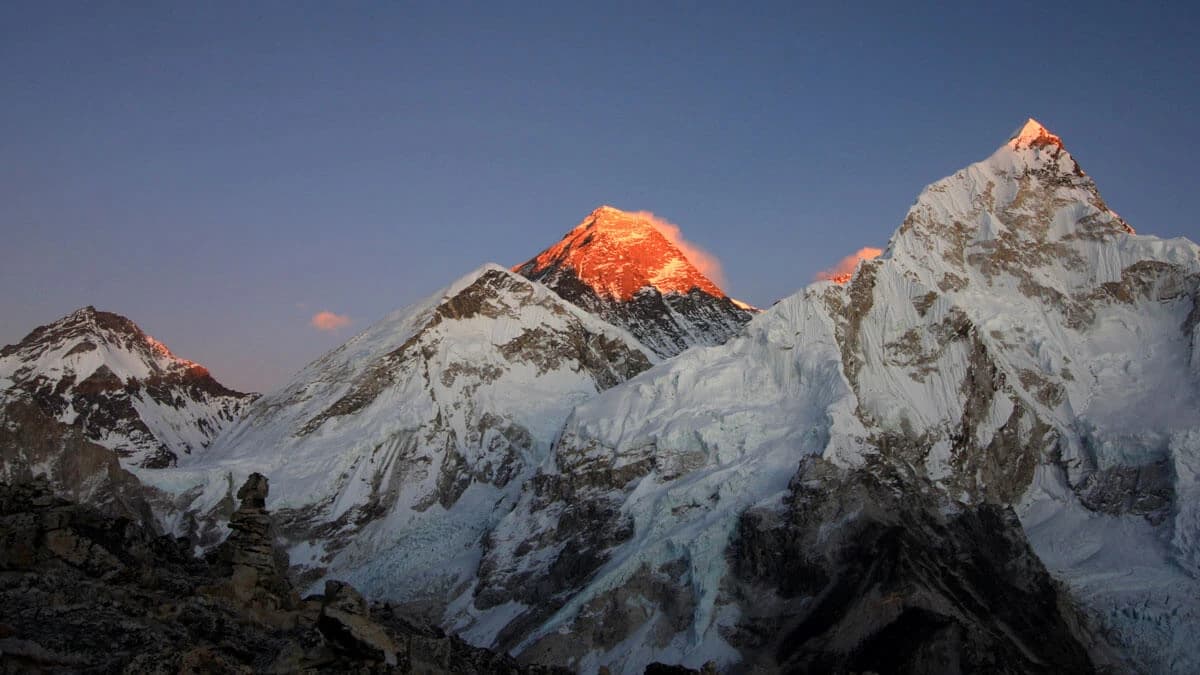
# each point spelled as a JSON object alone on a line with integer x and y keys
{"x": 84, "y": 592}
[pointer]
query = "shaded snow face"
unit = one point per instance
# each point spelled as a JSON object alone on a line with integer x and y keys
{"x": 392, "y": 455}
{"x": 123, "y": 389}
{"x": 1016, "y": 343}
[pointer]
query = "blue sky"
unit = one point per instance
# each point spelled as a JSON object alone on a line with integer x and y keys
{"x": 219, "y": 172}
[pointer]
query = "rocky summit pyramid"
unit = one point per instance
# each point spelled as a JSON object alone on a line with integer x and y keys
{"x": 624, "y": 268}
{"x": 124, "y": 390}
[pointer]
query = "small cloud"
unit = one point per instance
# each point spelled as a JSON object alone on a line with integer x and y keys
{"x": 328, "y": 321}
{"x": 842, "y": 272}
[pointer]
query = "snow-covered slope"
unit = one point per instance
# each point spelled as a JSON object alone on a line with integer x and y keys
{"x": 1017, "y": 343}
{"x": 126, "y": 391}
{"x": 622, "y": 267}
{"x": 396, "y": 452}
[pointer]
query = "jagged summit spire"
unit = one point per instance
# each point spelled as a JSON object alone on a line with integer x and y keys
{"x": 1033, "y": 134}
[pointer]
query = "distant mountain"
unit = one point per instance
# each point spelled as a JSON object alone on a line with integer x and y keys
{"x": 122, "y": 389}
{"x": 622, "y": 268}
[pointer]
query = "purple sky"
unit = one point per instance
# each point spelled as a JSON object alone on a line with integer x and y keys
{"x": 221, "y": 172}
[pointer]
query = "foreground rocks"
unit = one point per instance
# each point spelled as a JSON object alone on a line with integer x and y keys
{"x": 907, "y": 582}
{"x": 81, "y": 591}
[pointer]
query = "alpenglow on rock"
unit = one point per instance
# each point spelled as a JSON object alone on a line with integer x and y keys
{"x": 621, "y": 267}
{"x": 123, "y": 389}
{"x": 1016, "y": 344}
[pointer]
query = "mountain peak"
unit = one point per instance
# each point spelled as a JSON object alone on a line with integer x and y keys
{"x": 636, "y": 271}
{"x": 610, "y": 216}
{"x": 100, "y": 320}
{"x": 630, "y": 228}
{"x": 608, "y": 210}
{"x": 125, "y": 390}
{"x": 1032, "y": 134}
{"x": 88, "y": 332}
{"x": 617, "y": 253}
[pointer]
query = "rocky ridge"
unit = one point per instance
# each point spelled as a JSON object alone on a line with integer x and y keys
{"x": 84, "y": 592}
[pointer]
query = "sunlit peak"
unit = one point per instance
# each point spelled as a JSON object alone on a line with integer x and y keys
{"x": 620, "y": 252}
{"x": 1033, "y": 134}
{"x": 160, "y": 349}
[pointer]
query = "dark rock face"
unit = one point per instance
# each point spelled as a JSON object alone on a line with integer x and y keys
{"x": 1146, "y": 490}
{"x": 33, "y": 441}
{"x": 84, "y": 592}
{"x": 907, "y": 582}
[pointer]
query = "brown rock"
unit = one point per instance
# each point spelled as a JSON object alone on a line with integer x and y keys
{"x": 345, "y": 623}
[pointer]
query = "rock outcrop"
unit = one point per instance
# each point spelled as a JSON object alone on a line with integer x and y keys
{"x": 81, "y": 591}
{"x": 257, "y": 568}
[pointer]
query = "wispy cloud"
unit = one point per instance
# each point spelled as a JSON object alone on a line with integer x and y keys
{"x": 702, "y": 260}
{"x": 328, "y": 321}
{"x": 846, "y": 266}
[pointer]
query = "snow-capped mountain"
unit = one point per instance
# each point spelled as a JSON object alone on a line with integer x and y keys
{"x": 1016, "y": 344}
{"x": 621, "y": 267}
{"x": 124, "y": 390}
{"x": 398, "y": 451}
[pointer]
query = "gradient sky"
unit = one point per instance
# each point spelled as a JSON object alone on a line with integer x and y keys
{"x": 220, "y": 172}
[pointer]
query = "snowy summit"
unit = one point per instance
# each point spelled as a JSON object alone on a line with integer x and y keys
{"x": 1032, "y": 135}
